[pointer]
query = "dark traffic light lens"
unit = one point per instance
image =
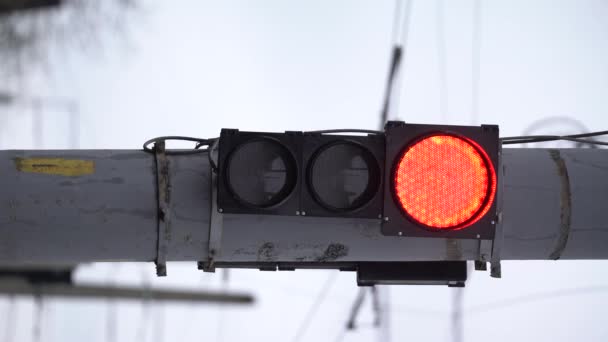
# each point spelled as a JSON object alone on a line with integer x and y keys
{"x": 343, "y": 176}
{"x": 261, "y": 173}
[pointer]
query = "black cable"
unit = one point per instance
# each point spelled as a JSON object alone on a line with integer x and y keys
{"x": 390, "y": 81}
{"x": 535, "y": 297}
{"x": 11, "y": 314}
{"x": 197, "y": 148}
{"x": 346, "y": 130}
{"x": 315, "y": 306}
{"x": 211, "y": 149}
{"x": 476, "y": 60}
{"x": 354, "y": 312}
{"x": 560, "y": 120}
{"x": 542, "y": 138}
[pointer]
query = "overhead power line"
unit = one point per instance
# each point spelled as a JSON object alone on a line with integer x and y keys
{"x": 476, "y": 62}
{"x": 315, "y": 306}
{"x": 400, "y": 34}
{"x": 442, "y": 60}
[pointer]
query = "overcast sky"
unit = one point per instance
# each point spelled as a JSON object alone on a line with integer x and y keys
{"x": 194, "y": 67}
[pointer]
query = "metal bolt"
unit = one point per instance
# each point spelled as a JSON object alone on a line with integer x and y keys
{"x": 380, "y": 216}
{"x": 220, "y": 210}
{"x": 493, "y": 222}
{"x": 478, "y": 236}
{"x": 297, "y": 212}
{"x": 386, "y": 218}
{"x": 303, "y": 213}
{"x": 400, "y": 233}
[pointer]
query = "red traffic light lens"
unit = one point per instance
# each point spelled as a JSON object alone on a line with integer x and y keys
{"x": 444, "y": 182}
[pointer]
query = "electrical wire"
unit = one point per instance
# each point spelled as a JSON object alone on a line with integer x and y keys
{"x": 10, "y": 322}
{"x": 38, "y": 318}
{"x": 145, "y": 309}
{"x": 543, "y": 123}
{"x": 534, "y": 297}
{"x": 354, "y": 311}
{"x": 345, "y": 130}
{"x": 524, "y": 139}
{"x": 315, "y": 306}
{"x": 159, "y": 325}
{"x": 441, "y": 59}
{"x": 200, "y": 142}
{"x": 212, "y": 149}
{"x": 475, "y": 61}
{"x": 376, "y": 306}
{"x": 393, "y": 83}
{"x": 111, "y": 310}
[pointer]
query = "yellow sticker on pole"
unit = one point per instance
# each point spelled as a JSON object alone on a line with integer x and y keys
{"x": 56, "y": 166}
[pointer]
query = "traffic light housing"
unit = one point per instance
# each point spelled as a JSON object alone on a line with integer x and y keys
{"x": 410, "y": 181}
{"x": 440, "y": 181}
{"x": 433, "y": 181}
{"x": 300, "y": 174}
{"x": 259, "y": 173}
{"x": 343, "y": 175}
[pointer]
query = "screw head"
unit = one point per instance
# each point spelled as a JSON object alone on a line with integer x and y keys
{"x": 303, "y": 213}
{"x": 386, "y": 218}
{"x": 478, "y": 236}
{"x": 297, "y": 212}
{"x": 493, "y": 222}
{"x": 400, "y": 233}
{"x": 220, "y": 210}
{"x": 380, "y": 216}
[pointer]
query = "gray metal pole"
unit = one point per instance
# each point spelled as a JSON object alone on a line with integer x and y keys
{"x": 122, "y": 292}
{"x": 68, "y": 207}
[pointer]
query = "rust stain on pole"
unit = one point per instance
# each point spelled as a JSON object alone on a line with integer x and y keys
{"x": 55, "y": 166}
{"x": 565, "y": 205}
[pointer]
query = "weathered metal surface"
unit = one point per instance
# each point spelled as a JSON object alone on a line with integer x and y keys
{"x": 215, "y": 230}
{"x": 565, "y": 204}
{"x": 111, "y": 215}
{"x": 163, "y": 214}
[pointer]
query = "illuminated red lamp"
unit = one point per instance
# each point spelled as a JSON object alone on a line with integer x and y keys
{"x": 441, "y": 181}
{"x": 444, "y": 182}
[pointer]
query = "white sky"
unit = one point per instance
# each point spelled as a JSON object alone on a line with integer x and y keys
{"x": 194, "y": 67}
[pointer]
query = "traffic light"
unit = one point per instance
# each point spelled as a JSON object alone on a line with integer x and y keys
{"x": 259, "y": 173}
{"x": 441, "y": 181}
{"x": 300, "y": 174}
{"x": 419, "y": 180}
{"x": 422, "y": 181}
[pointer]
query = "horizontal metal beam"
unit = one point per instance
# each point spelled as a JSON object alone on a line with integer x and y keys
{"x": 90, "y": 291}
{"x": 100, "y": 205}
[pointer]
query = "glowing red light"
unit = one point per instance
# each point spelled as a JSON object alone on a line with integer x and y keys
{"x": 445, "y": 182}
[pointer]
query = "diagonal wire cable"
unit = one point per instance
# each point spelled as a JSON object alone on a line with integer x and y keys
{"x": 11, "y": 317}
{"x": 111, "y": 311}
{"x": 315, "y": 306}
{"x": 354, "y": 312}
{"x": 442, "y": 60}
{"x": 535, "y": 297}
{"x": 141, "y": 332}
{"x": 475, "y": 61}
{"x": 38, "y": 318}
{"x": 400, "y": 33}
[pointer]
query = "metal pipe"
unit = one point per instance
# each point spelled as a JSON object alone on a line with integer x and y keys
{"x": 100, "y": 205}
